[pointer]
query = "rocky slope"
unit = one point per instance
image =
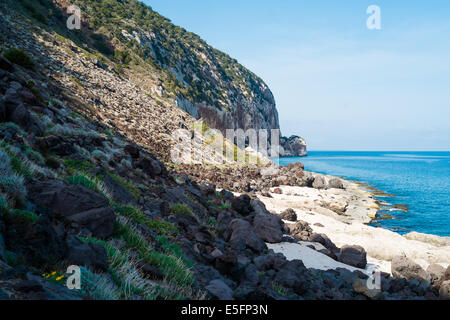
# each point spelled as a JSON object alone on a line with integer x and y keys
{"x": 178, "y": 65}
{"x": 83, "y": 181}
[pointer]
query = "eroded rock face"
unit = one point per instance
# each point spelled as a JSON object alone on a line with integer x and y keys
{"x": 293, "y": 147}
{"x": 402, "y": 267}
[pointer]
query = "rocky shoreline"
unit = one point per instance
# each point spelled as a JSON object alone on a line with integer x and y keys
{"x": 76, "y": 189}
{"x": 324, "y": 213}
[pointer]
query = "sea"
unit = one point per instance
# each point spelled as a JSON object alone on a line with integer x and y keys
{"x": 414, "y": 186}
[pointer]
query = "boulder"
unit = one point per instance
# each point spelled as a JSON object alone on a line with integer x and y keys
{"x": 242, "y": 205}
{"x": 132, "y": 150}
{"x": 268, "y": 227}
{"x": 335, "y": 183}
{"x": 240, "y": 233}
{"x": 354, "y": 256}
{"x": 39, "y": 242}
{"x": 402, "y": 267}
{"x": 332, "y": 249}
{"x": 289, "y": 215}
{"x": 90, "y": 255}
{"x": 319, "y": 183}
{"x": 219, "y": 290}
{"x": 300, "y": 230}
{"x": 444, "y": 291}
{"x": 57, "y": 145}
{"x": 436, "y": 272}
{"x": 76, "y": 204}
{"x": 293, "y": 274}
{"x": 259, "y": 207}
{"x": 118, "y": 192}
{"x": 150, "y": 166}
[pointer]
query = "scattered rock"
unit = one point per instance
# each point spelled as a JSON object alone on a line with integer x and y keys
{"x": 219, "y": 290}
{"x": 240, "y": 231}
{"x": 319, "y": 183}
{"x": 289, "y": 215}
{"x": 76, "y": 204}
{"x": 444, "y": 291}
{"x": 242, "y": 205}
{"x": 402, "y": 267}
{"x": 293, "y": 275}
{"x": 436, "y": 272}
{"x": 278, "y": 191}
{"x": 335, "y": 183}
{"x": 354, "y": 256}
{"x": 300, "y": 230}
{"x": 90, "y": 255}
{"x": 268, "y": 227}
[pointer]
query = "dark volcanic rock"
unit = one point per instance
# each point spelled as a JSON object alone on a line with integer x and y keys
{"x": 242, "y": 205}
{"x": 90, "y": 255}
{"x": 117, "y": 191}
{"x": 132, "y": 150}
{"x": 219, "y": 290}
{"x": 293, "y": 274}
{"x": 240, "y": 233}
{"x": 354, "y": 256}
{"x": 268, "y": 227}
{"x": 39, "y": 243}
{"x": 76, "y": 204}
{"x": 152, "y": 167}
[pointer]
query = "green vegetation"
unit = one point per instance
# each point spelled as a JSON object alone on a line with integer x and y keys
{"x": 25, "y": 216}
{"x": 84, "y": 181}
{"x": 181, "y": 209}
{"x": 126, "y": 185}
{"x": 172, "y": 49}
{"x": 18, "y": 56}
{"x": 160, "y": 226}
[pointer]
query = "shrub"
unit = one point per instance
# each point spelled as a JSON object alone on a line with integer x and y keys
{"x": 181, "y": 209}
{"x": 19, "y": 57}
{"x": 84, "y": 181}
{"x": 10, "y": 182}
{"x": 25, "y": 216}
{"x": 137, "y": 216}
{"x": 100, "y": 155}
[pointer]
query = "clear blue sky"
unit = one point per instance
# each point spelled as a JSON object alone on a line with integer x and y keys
{"x": 336, "y": 83}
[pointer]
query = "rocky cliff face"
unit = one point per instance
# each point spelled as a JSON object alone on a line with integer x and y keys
{"x": 201, "y": 80}
{"x": 293, "y": 147}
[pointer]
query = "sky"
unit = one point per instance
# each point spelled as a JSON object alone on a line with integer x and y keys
{"x": 338, "y": 84}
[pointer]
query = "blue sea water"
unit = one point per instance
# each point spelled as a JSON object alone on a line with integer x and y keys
{"x": 420, "y": 180}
